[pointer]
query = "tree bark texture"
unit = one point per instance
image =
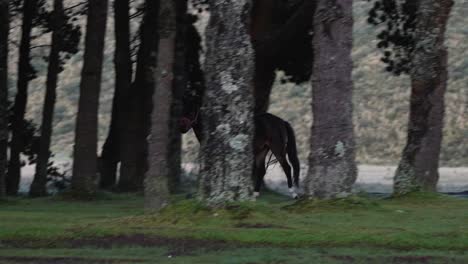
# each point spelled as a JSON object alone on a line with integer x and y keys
{"x": 179, "y": 86}
{"x": 4, "y": 33}
{"x": 85, "y": 149}
{"x": 38, "y": 186}
{"x": 228, "y": 105}
{"x": 332, "y": 168}
{"x": 138, "y": 110}
{"x": 19, "y": 108}
{"x": 418, "y": 167}
{"x": 111, "y": 150}
{"x": 157, "y": 176}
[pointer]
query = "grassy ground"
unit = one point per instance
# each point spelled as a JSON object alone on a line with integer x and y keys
{"x": 423, "y": 228}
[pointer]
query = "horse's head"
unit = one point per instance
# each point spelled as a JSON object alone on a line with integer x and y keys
{"x": 185, "y": 124}
{"x": 189, "y": 115}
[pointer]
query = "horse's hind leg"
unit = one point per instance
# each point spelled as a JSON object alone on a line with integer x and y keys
{"x": 280, "y": 155}
{"x": 259, "y": 170}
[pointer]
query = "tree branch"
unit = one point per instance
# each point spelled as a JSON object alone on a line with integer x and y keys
{"x": 74, "y": 6}
{"x": 40, "y": 46}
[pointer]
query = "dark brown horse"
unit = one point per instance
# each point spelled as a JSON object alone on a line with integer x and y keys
{"x": 271, "y": 134}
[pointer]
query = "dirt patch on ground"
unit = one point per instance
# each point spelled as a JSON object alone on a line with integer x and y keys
{"x": 175, "y": 246}
{"x": 258, "y": 225}
{"x": 64, "y": 260}
{"x": 337, "y": 259}
{"x": 395, "y": 259}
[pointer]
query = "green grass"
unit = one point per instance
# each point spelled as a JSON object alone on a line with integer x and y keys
{"x": 272, "y": 230}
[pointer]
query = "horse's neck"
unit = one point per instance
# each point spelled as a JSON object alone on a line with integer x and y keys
{"x": 197, "y": 129}
{"x": 262, "y": 19}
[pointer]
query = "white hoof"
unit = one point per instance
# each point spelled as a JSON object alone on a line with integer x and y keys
{"x": 256, "y": 194}
{"x": 293, "y": 193}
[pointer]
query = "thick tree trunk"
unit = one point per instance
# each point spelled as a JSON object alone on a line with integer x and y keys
{"x": 179, "y": 86}
{"x": 418, "y": 168}
{"x": 138, "y": 111}
{"x": 19, "y": 108}
{"x": 110, "y": 155}
{"x": 332, "y": 167}
{"x": 84, "y": 156}
{"x": 157, "y": 176}
{"x": 226, "y": 147}
{"x": 4, "y": 32}
{"x": 38, "y": 186}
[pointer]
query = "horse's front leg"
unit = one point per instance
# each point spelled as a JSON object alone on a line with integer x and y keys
{"x": 259, "y": 171}
{"x": 293, "y": 193}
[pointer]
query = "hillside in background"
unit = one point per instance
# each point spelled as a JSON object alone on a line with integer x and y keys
{"x": 380, "y": 100}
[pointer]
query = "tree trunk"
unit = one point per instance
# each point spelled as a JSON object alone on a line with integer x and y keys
{"x": 38, "y": 186}
{"x": 332, "y": 167}
{"x": 110, "y": 155}
{"x": 157, "y": 176}
{"x": 226, "y": 147}
{"x": 138, "y": 111}
{"x": 4, "y": 32}
{"x": 418, "y": 168}
{"x": 19, "y": 108}
{"x": 84, "y": 156}
{"x": 179, "y": 86}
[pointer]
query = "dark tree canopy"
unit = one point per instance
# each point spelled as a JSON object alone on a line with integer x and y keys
{"x": 396, "y": 36}
{"x": 295, "y": 59}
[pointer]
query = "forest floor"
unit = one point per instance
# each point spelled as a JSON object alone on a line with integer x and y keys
{"x": 422, "y": 228}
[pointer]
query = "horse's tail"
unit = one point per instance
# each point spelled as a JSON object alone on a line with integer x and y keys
{"x": 292, "y": 153}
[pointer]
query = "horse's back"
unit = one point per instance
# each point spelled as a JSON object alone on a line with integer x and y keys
{"x": 270, "y": 129}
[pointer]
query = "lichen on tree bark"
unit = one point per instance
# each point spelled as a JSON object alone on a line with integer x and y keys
{"x": 226, "y": 148}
